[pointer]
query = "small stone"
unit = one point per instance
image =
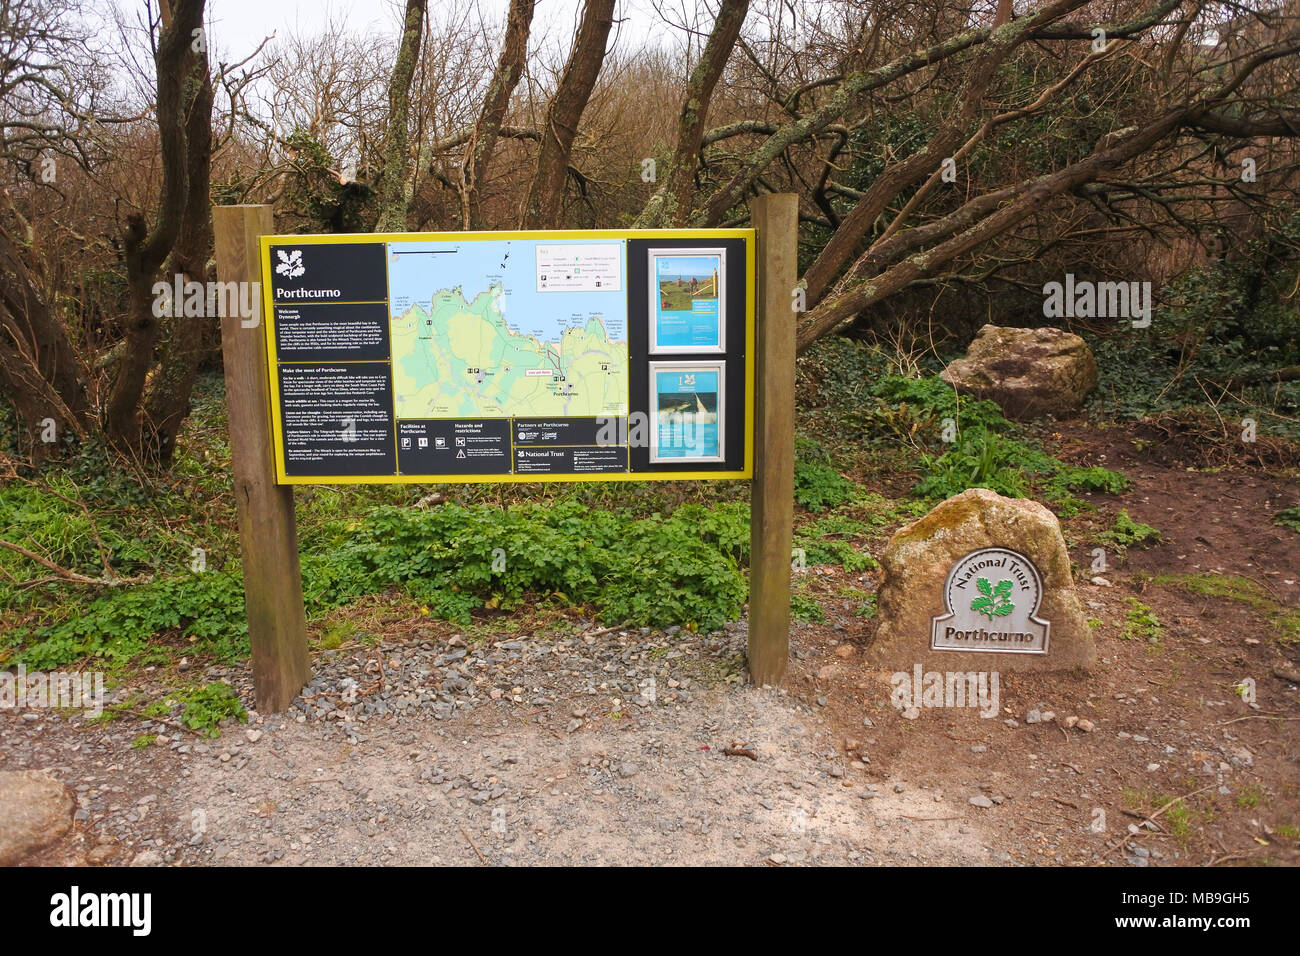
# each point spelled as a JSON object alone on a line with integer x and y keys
{"x": 978, "y": 749}
{"x": 1071, "y": 721}
{"x": 1085, "y": 725}
{"x": 1287, "y": 672}
{"x": 851, "y": 745}
{"x": 102, "y": 853}
{"x": 253, "y": 736}
{"x": 981, "y": 801}
{"x": 147, "y": 858}
{"x": 898, "y": 788}
{"x": 911, "y": 713}
{"x": 1100, "y": 581}
{"x": 776, "y": 858}
{"x": 1033, "y": 717}
{"x": 627, "y": 770}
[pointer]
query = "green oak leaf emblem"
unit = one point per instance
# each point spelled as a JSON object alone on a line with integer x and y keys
{"x": 993, "y": 601}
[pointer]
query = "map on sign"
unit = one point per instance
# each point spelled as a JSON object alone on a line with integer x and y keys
{"x": 502, "y": 328}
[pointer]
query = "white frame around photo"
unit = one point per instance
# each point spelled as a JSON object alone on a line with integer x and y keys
{"x": 711, "y": 365}
{"x": 654, "y": 255}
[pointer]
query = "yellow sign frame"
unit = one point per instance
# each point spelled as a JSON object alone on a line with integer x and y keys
{"x": 268, "y": 322}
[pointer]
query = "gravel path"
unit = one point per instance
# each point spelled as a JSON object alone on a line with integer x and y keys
{"x": 556, "y": 749}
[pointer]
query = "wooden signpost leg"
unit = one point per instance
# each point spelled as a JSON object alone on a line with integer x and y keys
{"x": 268, "y": 534}
{"x": 776, "y": 224}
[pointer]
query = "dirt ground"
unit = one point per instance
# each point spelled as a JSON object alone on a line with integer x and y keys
{"x": 566, "y": 758}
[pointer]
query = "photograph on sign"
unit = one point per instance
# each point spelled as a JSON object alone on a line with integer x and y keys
{"x": 687, "y": 401}
{"x": 687, "y": 300}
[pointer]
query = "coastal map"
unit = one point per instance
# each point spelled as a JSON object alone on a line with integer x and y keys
{"x": 500, "y": 329}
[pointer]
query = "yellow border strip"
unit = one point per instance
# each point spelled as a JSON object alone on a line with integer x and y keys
{"x": 268, "y": 322}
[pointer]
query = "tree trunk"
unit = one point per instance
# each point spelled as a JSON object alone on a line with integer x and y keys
{"x": 578, "y": 80}
{"x": 673, "y": 204}
{"x": 185, "y": 339}
{"x": 146, "y": 250}
{"x": 510, "y": 67}
{"x": 393, "y": 199}
{"x": 40, "y": 372}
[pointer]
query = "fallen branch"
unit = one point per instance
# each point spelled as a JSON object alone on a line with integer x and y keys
{"x": 72, "y": 577}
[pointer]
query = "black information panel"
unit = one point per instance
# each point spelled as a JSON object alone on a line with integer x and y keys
{"x": 567, "y": 356}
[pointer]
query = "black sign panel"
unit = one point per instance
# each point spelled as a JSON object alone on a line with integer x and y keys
{"x": 313, "y": 272}
{"x": 337, "y": 419}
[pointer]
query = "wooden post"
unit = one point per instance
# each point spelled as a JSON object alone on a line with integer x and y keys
{"x": 268, "y": 533}
{"x": 776, "y": 225}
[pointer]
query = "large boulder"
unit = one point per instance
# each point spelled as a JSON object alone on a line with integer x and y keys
{"x": 985, "y": 571}
{"x": 1027, "y": 372}
{"x": 35, "y": 809}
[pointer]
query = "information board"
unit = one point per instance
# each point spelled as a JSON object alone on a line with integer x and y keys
{"x": 510, "y": 356}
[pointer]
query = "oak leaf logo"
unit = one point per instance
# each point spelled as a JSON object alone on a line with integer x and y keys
{"x": 994, "y": 601}
{"x": 290, "y": 263}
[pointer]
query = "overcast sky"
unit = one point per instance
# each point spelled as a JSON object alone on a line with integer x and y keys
{"x": 239, "y": 25}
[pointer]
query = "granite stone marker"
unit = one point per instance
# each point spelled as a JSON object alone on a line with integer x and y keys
{"x": 982, "y": 582}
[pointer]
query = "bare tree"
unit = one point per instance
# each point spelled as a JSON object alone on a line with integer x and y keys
{"x": 393, "y": 197}
{"x": 545, "y": 194}
{"x": 496, "y": 101}
{"x": 147, "y": 248}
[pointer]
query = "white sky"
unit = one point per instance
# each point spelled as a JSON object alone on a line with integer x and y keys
{"x": 237, "y": 26}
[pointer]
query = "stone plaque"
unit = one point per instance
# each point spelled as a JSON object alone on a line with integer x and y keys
{"x": 991, "y": 596}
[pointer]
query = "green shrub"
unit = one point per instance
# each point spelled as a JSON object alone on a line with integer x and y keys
{"x": 1126, "y": 533}
{"x": 817, "y": 485}
{"x": 117, "y": 627}
{"x": 206, "y": 707}
{"x": 806, "y": 609}
{"x": 1288, "y": 518}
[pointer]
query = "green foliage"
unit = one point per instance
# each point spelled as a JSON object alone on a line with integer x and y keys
{"x": 1288, "y": 518}
{"x": 806, "y": 609}
{"x": 817, "y": 485}
{"x": 1126, "y": 533}
{"x": 210, "y": 704}
{"x": 1217, "y": 335}
{"x": 652, "y": 571}
{"x": 985, "y": 450}
{"x": 314, "y": 191}
{"x": 840, "y": 553}
{"x": 117, "y": 627}
{"x": 1141, "y": 623}
{"x": 834, "y": 539}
